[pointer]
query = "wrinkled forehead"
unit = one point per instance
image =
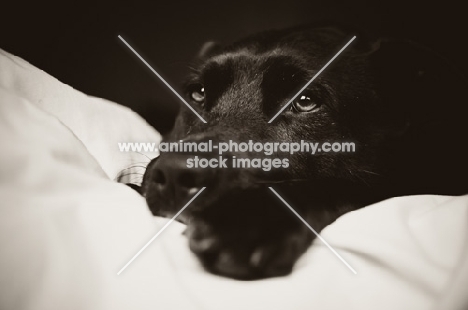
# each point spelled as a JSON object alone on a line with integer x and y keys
{"x": 280, "y": 64}
{"x": 255, "y": 56}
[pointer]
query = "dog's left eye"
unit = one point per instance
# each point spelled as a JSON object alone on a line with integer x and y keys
{"x": 197, "y": 93}
{"x": 303, "y": 103}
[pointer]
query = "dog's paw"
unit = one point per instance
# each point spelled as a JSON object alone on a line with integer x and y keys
{"x": 248, "y": 253}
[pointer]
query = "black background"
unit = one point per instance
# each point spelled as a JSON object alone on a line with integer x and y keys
{"x": 77, "y": 42}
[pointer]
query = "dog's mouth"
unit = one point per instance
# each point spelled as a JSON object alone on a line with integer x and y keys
{"x": 215, "y": 203}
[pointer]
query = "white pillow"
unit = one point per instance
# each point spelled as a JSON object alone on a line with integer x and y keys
{"x": 100, "y": 124}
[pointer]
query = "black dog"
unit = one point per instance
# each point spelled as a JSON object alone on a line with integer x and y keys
{"x": 398, "y": 102}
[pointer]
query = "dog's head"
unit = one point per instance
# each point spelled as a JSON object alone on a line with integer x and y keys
{"x": 366, "y": 96}
{"x": 239, "y": 88}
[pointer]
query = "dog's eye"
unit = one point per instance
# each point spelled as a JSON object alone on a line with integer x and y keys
{"x": 303, "y": 103}
{"x": 197, "y": 93}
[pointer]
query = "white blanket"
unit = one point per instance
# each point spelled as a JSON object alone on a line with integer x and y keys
{"x": 66, "y": 228}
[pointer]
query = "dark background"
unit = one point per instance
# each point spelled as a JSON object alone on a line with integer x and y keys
{"x": 77, "y": 42}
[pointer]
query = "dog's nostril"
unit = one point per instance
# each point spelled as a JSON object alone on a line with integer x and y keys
{"x": 159, "y": 177}
{"x": 187, "y": 180}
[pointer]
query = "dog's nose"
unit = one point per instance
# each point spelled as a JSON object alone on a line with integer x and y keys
{"x": 174, "y": 181}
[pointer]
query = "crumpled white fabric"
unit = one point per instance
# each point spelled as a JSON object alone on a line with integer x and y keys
{"x": 98, "y": 123}
{"x": 66, "y": 228}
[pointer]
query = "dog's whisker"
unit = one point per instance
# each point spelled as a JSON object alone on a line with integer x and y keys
{"x": 149, "y": 158}
{"x": 131, "y": 173}
{"x": 141, "y": 162}
{"x": 134, "y": 166}
{"x": 371, "y": 172}
{"x": 120, "y": 176}
{"x": 138, "y": 165}
{"x": 135, "y": 180}
{"x": 193, "y": 68}
{"x": 359, "y": 178}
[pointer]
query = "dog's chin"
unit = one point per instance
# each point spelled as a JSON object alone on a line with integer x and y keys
{"x": 247, "y": 235}
{"x": 242, "y": 234}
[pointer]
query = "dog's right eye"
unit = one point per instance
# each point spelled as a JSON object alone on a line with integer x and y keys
{"x": 197, "y": 93}
{"x": 303, "y": 103}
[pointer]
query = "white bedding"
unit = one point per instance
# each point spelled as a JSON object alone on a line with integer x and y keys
{"x": 66, "y": 227}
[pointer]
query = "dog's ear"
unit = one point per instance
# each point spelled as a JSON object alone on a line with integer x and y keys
{"x": 209, "y": 49}
{"x": 417, "y": 86}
